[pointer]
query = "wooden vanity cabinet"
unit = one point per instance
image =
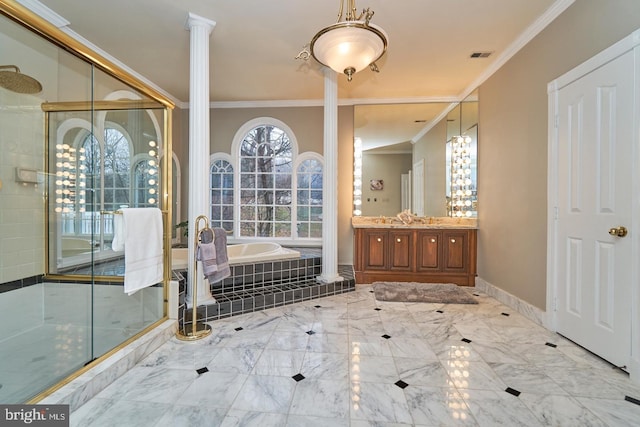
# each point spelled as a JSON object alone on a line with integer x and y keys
{"x": 418, "y": 255}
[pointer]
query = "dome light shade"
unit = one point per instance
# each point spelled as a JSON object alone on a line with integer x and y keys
{"x": 348, "y": 46}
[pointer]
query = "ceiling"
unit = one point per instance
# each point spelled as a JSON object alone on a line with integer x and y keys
{"x": 254, "y": 43}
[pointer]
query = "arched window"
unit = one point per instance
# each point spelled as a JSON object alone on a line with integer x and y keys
{"x": 145, "y": 183}
{"x": 117, "y": 166}
{"x": 265, "y": 183}
{"x": 263, "y": 190}
{"x": 309, "y": 200}
{"x": 222, "y": 194}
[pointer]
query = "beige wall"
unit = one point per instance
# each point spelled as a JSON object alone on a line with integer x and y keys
{"x": 307, "y": 123}
{"x": 389, "y": 168}
{"x": 433, "y": 149}
{"x": 513, "y": 142}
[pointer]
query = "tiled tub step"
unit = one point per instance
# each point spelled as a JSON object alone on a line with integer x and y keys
{"x": 254, "y": 287}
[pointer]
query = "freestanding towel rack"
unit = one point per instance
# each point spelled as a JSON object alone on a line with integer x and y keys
{"x": 198, "y": 330}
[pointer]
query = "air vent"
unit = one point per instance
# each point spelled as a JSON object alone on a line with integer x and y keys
{"x": 480, "y": 54}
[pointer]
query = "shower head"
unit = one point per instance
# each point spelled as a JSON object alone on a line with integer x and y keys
{"x": 18, "y": 82}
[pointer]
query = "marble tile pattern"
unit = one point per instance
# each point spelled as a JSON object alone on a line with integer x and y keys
{"x": 349, "y": 360}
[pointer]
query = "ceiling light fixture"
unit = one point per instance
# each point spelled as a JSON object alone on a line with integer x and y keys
{"x": 349, "y": 45}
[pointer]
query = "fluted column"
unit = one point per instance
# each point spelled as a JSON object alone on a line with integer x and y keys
{"x": 330, "y": 180}
{"x": 199, "y": 197}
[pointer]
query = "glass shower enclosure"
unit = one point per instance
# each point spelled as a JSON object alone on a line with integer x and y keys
{"x": 80, "y": 140}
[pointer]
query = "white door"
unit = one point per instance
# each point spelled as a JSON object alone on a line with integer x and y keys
{"x": 418, "y": 188}
{"x": 405, "y": 190}
{"x": 595, "y": 137}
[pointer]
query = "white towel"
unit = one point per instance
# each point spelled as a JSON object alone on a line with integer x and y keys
{"x": 143, "y": 258}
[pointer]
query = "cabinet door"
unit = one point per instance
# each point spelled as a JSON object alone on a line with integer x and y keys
{"x": 456, "y": 251}
{"x": 400, "y": 245}
{"x": 375, "y": 250}
{"x": 429, "y": 243}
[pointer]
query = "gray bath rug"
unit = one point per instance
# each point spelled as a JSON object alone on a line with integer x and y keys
{"x": 442, "y": 293}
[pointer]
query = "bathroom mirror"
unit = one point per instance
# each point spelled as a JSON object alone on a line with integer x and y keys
{"x": 406, "y": 156}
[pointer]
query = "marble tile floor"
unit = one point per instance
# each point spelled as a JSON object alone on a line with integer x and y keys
{"x": 349, "y": 360}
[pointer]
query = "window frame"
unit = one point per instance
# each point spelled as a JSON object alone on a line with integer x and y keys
{"x": 297, "y": 159}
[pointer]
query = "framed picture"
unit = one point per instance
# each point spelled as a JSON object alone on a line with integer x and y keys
{"x": 376, "y": 184}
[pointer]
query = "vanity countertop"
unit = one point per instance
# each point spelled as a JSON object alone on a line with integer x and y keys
{"x": 419, "y": 222}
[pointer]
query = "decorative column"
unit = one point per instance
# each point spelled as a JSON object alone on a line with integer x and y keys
{"x": 330, "y": 180}
{"x": 199, "y": 196}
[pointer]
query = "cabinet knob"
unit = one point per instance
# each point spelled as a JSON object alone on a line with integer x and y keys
{"x": 379, "y": 239}
{"x": 433, "y": 240}
{"x": 453, "y": 240}
{"x": 398, "y": 240}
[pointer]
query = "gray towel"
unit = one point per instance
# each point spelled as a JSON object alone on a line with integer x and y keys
{"x": 206, "y": 252}
{"x": 222, "y": 259}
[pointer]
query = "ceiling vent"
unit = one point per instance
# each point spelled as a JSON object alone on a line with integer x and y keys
{"x": 480, "y": 54}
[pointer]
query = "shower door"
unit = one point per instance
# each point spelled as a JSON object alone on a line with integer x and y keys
{"x": 79, "y": 142}
{"x": 102, "y": 157}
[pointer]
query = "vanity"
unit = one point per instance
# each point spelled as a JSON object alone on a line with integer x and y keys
{"x": 429, "y": 250}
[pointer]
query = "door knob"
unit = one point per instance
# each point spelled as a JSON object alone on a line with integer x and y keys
{"x": 618, "y": 231}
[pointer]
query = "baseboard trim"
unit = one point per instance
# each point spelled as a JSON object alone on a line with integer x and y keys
{"x": 529, "y": 311}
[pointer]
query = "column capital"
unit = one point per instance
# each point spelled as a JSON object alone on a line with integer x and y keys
{"x": 194, "y": 20}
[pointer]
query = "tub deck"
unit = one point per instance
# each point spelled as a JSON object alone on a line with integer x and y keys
{"x": 254, "y": 287}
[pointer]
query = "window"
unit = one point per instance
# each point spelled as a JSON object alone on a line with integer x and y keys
{"x": 265, "y": 183}
{"x": 222, "y": 194}
{"x": 145, "y": 183}
{"x": 113, "y": 157}
{"x": 309, "y": 200}
{"x": 264, "y": 189}
{"x": 116, "y": 162}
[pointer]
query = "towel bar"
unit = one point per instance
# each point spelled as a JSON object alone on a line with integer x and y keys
{"x": 198, "y": 330}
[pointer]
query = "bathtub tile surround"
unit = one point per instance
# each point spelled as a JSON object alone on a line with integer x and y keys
{"x": 253, "y": 287}
{"x": 413, "y": 364}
